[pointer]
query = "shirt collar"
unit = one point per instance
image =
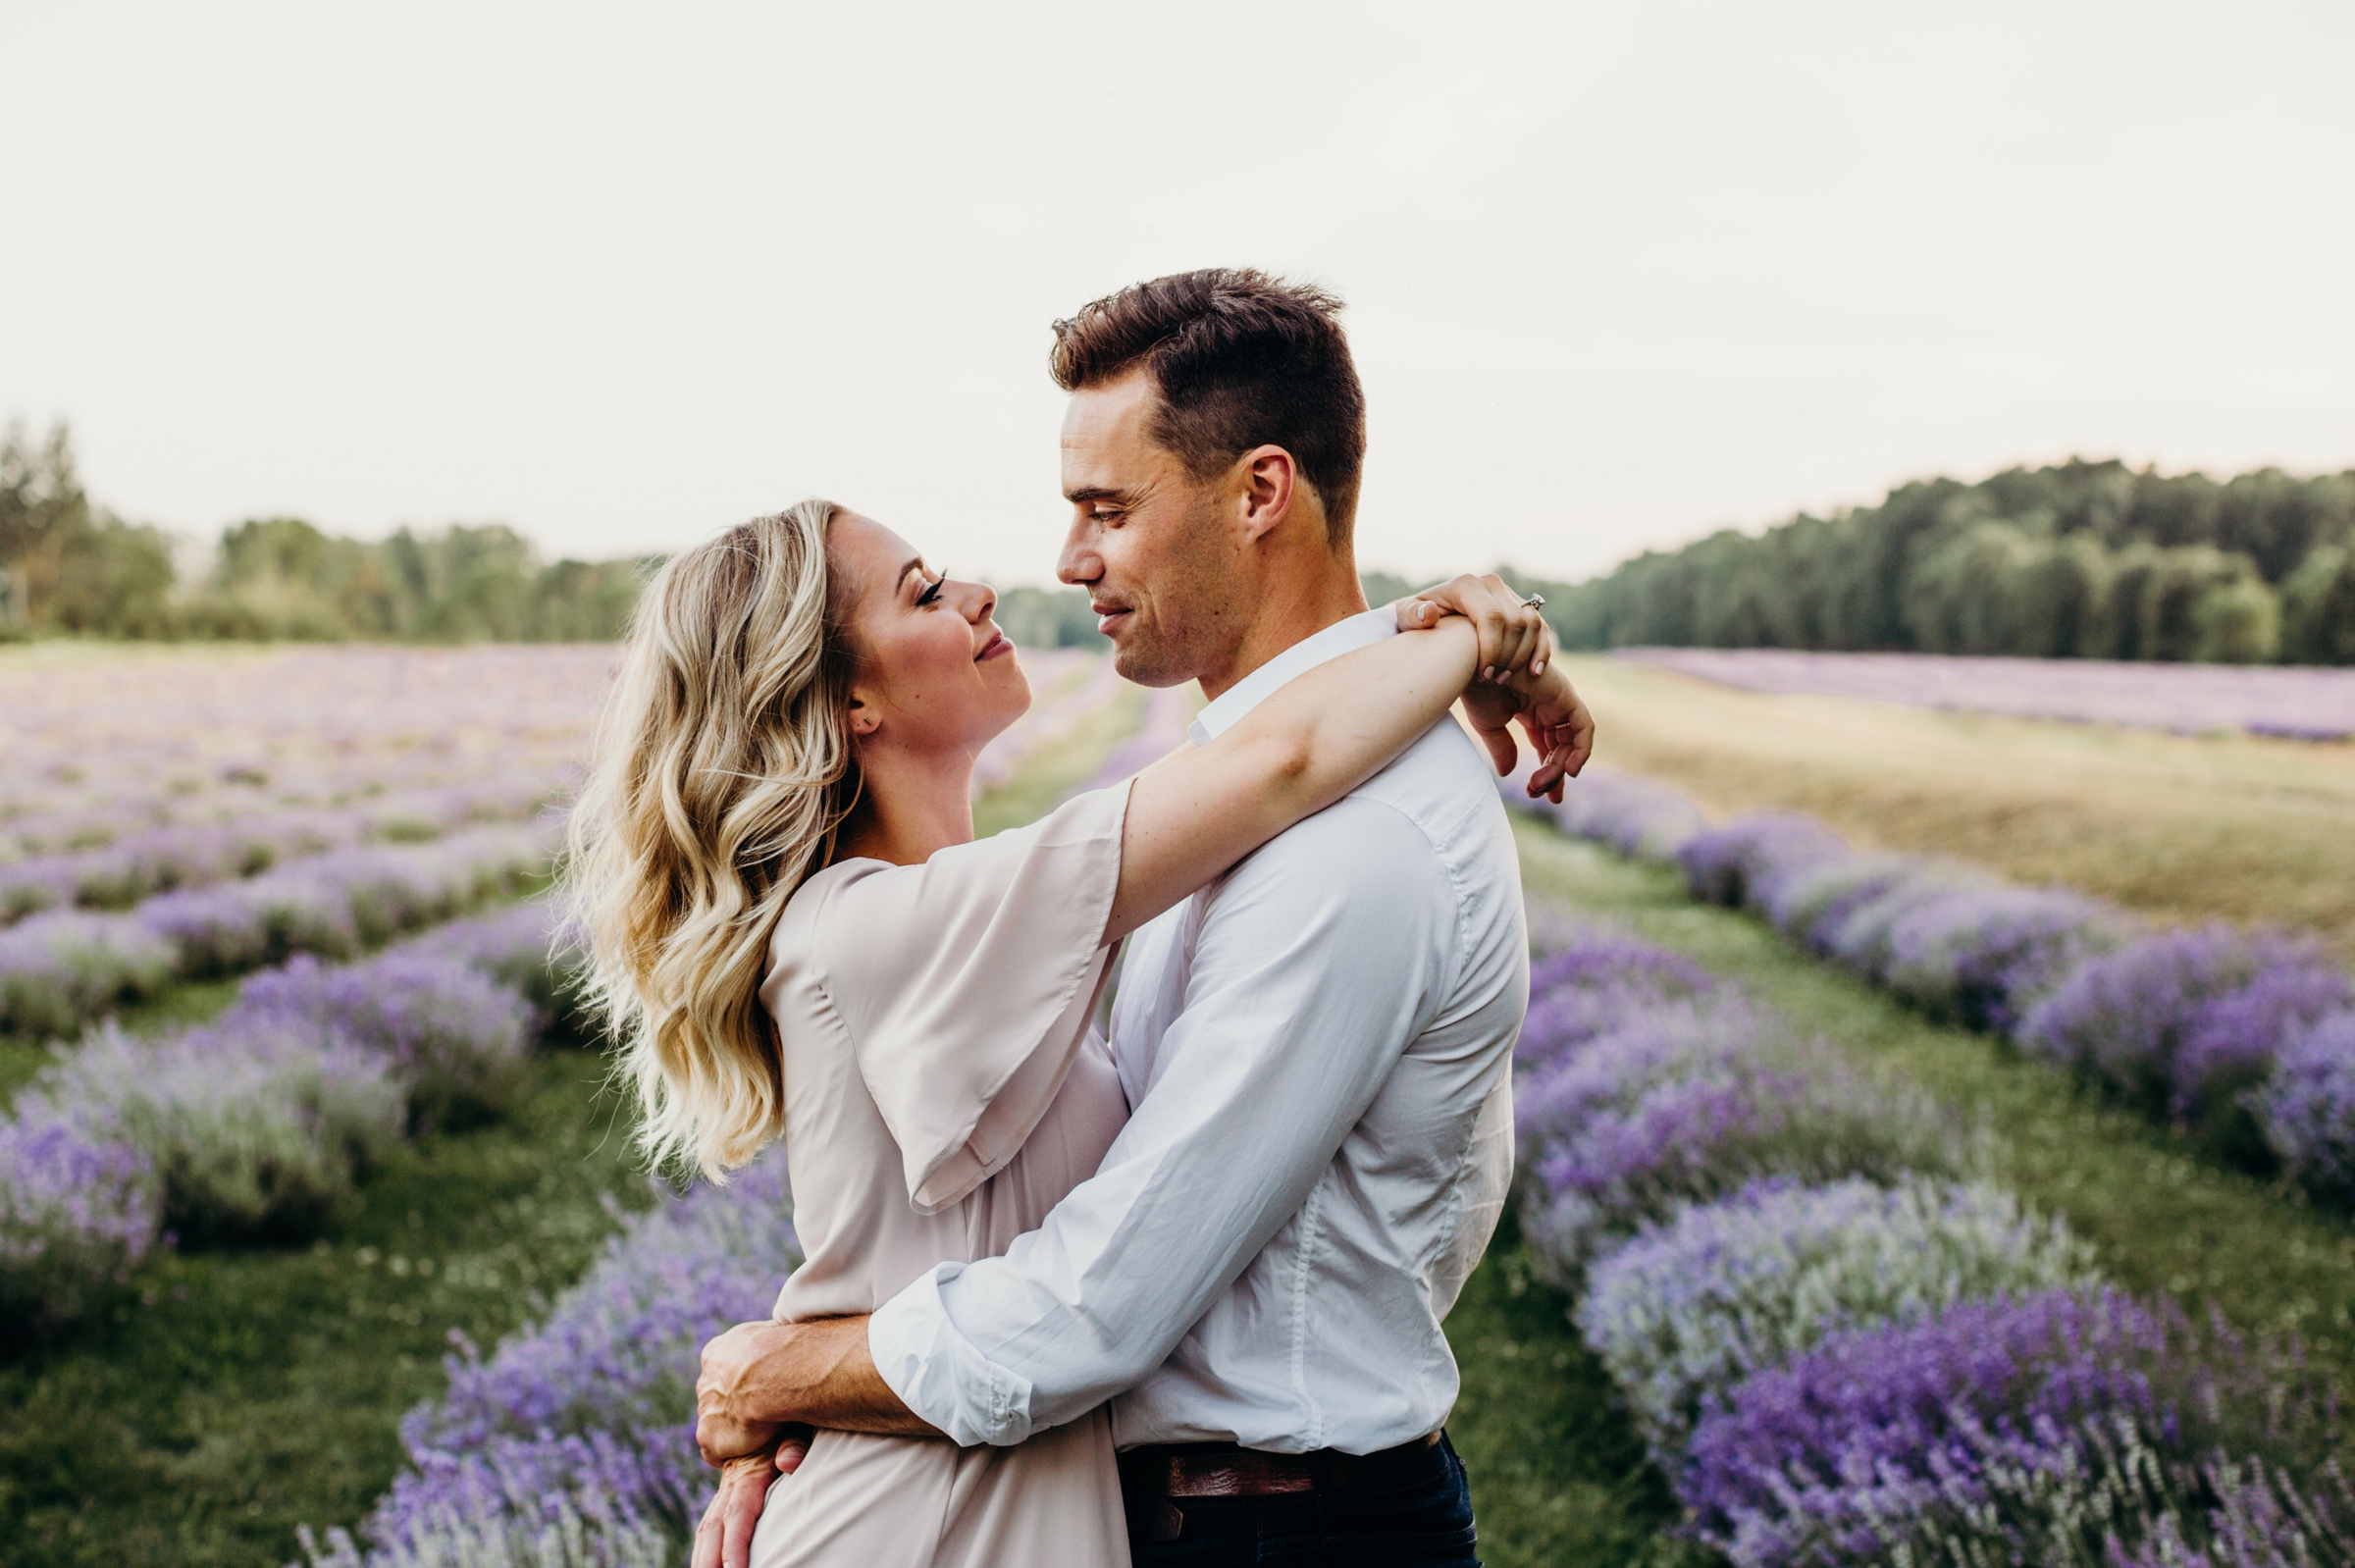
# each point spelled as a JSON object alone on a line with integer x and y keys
{"x": 1341, "y": 637}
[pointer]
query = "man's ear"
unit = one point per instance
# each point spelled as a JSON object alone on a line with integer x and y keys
{"x": 1270, "y": 484}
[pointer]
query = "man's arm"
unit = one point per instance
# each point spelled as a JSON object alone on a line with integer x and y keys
{"x": 1319, "y": 959}
{"x": 760, "y": 1375}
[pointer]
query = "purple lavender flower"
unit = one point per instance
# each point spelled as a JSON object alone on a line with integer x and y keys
{"x": 1741, "y": 862}
{"x": 527, "y": 946}
{"x": 1684, "y": 1104}
{"x": 59, "y": 968}
{"x": 1812, "y": 904}
{"x": 1862, "y": 940}
{"x": 1981, "y": 956}
{"x": 2307, "y": 704}
{"x": 1591, "y": 984}
{"x": 1635, "y": 817}
{"x": 453, "y": 1036}
{"x": 2308, "y": 1109}
{"x": 1693, "y": 1306}
{"x": 1880, "y": 1438}
{"x": 216, "y": 930}
{"x": 252, "y": 1129}
{"x": 552, "y": 1503}
{"x": 2185, "y": 1020}
{"x": 79, "y": 1205}
{"x": 594, "y": 1406}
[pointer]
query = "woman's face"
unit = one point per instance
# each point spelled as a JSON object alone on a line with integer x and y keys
{"x": 934, "y": 673}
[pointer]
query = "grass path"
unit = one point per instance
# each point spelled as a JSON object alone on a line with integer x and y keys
{"x": 1559, "y": 1476}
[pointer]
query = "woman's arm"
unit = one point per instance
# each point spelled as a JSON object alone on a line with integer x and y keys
{"x": 1314, "y": 741}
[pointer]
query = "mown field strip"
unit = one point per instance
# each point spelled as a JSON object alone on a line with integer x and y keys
{"x": 2184, "y": 828}
{"x": 2163, "y": 1218}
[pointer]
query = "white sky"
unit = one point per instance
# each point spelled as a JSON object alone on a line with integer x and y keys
{"x": 1618, "y": 275}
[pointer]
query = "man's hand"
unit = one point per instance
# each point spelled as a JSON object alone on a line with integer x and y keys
{"x": 1549, "y": 711}
{"x": 759, "y": 1377}
{"x": 731, "y": 1419}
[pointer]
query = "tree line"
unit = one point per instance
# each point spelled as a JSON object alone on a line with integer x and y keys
{"x": 2079, "y": 560}
{"x": 71, "y": 567}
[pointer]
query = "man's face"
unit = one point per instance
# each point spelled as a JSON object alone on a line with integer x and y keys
{"x": 1148, "y": 540}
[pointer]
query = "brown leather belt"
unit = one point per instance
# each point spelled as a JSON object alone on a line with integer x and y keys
{"x": 1227, "y": 1470}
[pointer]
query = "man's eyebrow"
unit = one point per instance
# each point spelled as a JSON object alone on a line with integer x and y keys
{"x": 1087, "y": 492}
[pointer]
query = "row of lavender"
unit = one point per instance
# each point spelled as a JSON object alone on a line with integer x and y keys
{"x": 255, "y": 1125}
{"x": 62, "y": 969}
{"x": 2245, "y": 1039}
{"x": 2296, "y": 702}
{"x": 147, "y": 860}
{"x": 574, "y": 1442}
{"x": 1843, "y": 1348}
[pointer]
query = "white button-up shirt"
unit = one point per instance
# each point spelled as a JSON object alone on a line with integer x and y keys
{"x": 1317, "y": 1048}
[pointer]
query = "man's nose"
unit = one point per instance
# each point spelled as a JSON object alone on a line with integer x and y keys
{"x": 1078, "y": 564}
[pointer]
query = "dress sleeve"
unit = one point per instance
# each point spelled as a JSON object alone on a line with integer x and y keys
{"x": 966, "y": 982}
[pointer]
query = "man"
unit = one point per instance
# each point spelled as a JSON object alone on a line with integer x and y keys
{"x": 1316, "y": 1046}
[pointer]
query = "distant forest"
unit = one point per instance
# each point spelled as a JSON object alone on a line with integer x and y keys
{"x": 2083, "y": 561}
{"x": 68, "y": 567}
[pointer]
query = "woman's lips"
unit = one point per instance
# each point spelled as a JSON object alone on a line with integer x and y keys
{"x": 996, "y": 645}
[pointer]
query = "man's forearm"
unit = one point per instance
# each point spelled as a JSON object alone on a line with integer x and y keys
{"x": 765, "y": 1374}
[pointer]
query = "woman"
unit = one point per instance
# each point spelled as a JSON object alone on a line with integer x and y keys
{"x": 796, "y": 934}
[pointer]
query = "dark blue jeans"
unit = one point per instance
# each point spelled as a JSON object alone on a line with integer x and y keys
{"x": 1419, "y": 1518}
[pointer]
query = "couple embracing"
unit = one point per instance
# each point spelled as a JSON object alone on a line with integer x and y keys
{"x": 1167, "y": 1295}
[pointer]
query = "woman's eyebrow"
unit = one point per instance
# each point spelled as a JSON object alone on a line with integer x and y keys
{"x": 915, "y": 566}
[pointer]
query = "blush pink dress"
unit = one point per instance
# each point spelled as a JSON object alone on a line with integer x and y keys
{"x": 943, "y": 1090}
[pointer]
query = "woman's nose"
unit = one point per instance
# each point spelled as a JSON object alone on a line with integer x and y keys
{"x": 980, "y": 600}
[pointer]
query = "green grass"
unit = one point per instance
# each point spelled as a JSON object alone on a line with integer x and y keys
{"x": 1559, "y": 1476}
{"x": 236, "y": 1393}
{"x": 2165, "y": 1217}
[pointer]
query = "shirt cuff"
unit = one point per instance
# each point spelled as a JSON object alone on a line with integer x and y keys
{"x": 938, "y": 1374}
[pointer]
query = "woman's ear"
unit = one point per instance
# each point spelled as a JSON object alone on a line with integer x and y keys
{"x": 862, "y": 716}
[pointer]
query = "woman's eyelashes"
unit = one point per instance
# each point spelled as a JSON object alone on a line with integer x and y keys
{"x": 933, "y": 591}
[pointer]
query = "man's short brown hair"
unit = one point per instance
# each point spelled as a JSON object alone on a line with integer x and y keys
{"x": 1240, "y": 360}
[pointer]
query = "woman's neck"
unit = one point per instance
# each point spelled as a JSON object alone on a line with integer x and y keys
{"x": 908, "y": 806}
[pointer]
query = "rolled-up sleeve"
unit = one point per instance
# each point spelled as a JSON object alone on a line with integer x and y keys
{"x": 1317, "y": 961}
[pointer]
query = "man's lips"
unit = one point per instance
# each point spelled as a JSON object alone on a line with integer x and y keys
{"x": 1110, "y": 616}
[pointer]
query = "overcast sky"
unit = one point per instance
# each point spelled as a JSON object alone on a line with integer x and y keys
{"x": 1617, "y": 276}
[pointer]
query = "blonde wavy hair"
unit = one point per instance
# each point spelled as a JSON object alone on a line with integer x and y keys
{"x": 721, "y": 773}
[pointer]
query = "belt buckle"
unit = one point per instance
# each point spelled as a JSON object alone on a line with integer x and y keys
{"x": 1165, "y": 1521}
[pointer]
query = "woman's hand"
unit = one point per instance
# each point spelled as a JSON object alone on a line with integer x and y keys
{"x": 724, "y": 1539}
{"x": 1513, "y": 636}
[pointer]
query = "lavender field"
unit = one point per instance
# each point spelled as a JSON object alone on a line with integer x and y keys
{"x": 318, "y": 1243}
{"x": 2292, "y": 702}
{"x": 286, "y": 1054}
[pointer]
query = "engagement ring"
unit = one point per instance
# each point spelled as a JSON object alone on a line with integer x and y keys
{"x": 1534, "y": 601}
